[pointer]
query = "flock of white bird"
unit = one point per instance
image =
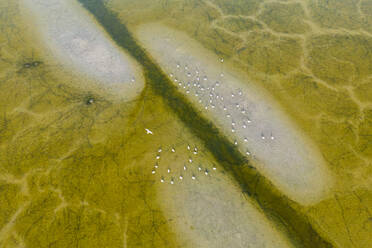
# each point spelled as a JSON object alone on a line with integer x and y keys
{"x": 242, "y": 112}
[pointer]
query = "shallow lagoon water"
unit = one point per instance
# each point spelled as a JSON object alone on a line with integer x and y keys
{"x": 77, "y": 172}
{"x": 244, "y": 113}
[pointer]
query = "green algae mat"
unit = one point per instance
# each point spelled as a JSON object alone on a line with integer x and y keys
{"x": 81, "y": 167}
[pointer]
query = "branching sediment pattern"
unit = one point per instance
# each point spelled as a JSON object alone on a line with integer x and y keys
{"x": 80, "y": 169}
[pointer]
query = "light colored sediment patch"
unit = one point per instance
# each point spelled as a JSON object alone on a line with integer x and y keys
{"x": 203, "y": 204}
{"x": 210, "y": 211}
{"x": 75, "y": 38}
{"x": 243, "y": 111}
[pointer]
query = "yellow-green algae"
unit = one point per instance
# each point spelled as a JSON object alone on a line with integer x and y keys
{"x": 68, "y": 156}
{"x": 288, "y": 219}
{"x": 336, "y": 14}
{"x": 239, "y": 24}
{"x": 62, "y": 151}
{"x": 333, "y": 113}
{"x": 284, "y": 18}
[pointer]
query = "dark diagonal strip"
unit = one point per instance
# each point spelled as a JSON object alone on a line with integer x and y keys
{"x": 276, "y": 207}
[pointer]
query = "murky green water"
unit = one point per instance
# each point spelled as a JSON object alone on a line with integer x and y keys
{"x": 75, "y": 172}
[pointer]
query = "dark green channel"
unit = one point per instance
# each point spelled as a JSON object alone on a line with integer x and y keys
{"x": 277, "y": 207}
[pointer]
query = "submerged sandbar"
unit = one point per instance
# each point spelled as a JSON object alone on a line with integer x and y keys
{"x": 246, "y": 114}
{"x": 73, "y": 36}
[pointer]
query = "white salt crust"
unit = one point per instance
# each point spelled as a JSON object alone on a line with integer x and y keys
{"x": 243, "y": 111}
{"x": 73, "y": 36}
{"x": 209, "y": 210}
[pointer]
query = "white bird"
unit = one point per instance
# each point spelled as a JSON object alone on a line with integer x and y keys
{"x": 148, "y": 131}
